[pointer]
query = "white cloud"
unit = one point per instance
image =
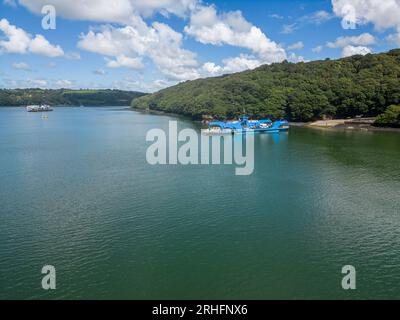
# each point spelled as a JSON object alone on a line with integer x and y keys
{"x": 63, "y": 84}
{"x": 73, "y": 56}
{"x": 211, "y": 69}
{"x": 231, "y": 28}
{"x": 93, "y": 10}
{"x": 317, "y": 17}
{"x": 109, "y": 41}
{"x": 231, "y": 65}
{"x": 39, "y": 45}
{"x": 276, "y": 16}
{"x": 238, "y": 64}
{"x": 132, "y": 40}
{"x": 241, "y": 63}
{"x": 382, "y": 14}
{"x": 177, "y": 7}
{"x": 24, "y": 83}
{"x": 19, "y": 41}
{"x": 394, "y": 38}
{"x": 130, "y": 43}
{"x": 31, "y": 83}
{"x": 124, "y": 61}
{"x": 21, "y": 66}
{"x": 294, "y": 58}
{"x": 140, "y": 85}
{"x": 364, "y": 39}
{"x": 351, "y": 51}
{"x": 317, "y": 49}
{"x": 40, "y": 83}
{"x": 289, "y": 28}
{"x": 37, "y": 83}
{"x": 296, "y": 46}
{"x": 168, "y": 54}
{"x": 120, "y": 11}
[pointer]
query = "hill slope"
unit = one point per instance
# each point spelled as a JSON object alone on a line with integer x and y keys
{"x": 21, "y": 97}
{"x": 358, "y": 85}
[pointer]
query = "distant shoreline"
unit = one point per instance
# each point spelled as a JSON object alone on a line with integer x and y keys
{"x": 335, "y": 124}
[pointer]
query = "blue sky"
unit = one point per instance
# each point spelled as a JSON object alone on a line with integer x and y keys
{"x": 148, "y": 45}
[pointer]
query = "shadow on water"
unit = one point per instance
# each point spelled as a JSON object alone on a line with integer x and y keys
{"x": 373, "y": 151}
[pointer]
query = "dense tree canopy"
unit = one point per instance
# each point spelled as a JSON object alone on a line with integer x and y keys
{"x": 358, "y": 85}
{"x": 22, "y": 97}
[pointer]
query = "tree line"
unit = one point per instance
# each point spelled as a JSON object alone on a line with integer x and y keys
{"x": 23, "y": 97}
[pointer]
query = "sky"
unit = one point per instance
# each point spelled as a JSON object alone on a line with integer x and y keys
{"x": 148, "y": 45}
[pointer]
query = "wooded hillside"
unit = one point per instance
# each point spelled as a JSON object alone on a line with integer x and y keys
{"x": 358, "y": 85}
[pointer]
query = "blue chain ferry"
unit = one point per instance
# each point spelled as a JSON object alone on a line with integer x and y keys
{"x": 246, "y": 125}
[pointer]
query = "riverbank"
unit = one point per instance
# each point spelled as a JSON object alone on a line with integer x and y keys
{"x": 363, "y": 124}
{"x": 360, "y": 124}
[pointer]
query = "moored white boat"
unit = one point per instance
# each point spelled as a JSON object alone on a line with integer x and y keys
{"x": 217, "y": 131}
{"x": 38, "y": 108}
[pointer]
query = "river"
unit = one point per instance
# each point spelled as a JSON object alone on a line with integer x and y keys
{"x": 76, "y": 192}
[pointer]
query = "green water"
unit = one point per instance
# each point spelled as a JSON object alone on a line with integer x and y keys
{"x": 76, "y": 192}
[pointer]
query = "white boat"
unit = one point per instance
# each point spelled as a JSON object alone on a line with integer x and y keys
{"x": 38, "y": 108}
{"x": 217, "y": 131}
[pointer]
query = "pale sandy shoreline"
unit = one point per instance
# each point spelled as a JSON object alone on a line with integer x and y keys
{"x": 345, "y": 124}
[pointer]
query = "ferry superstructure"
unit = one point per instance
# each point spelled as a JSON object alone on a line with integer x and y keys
{"x": 245, "y": 125}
